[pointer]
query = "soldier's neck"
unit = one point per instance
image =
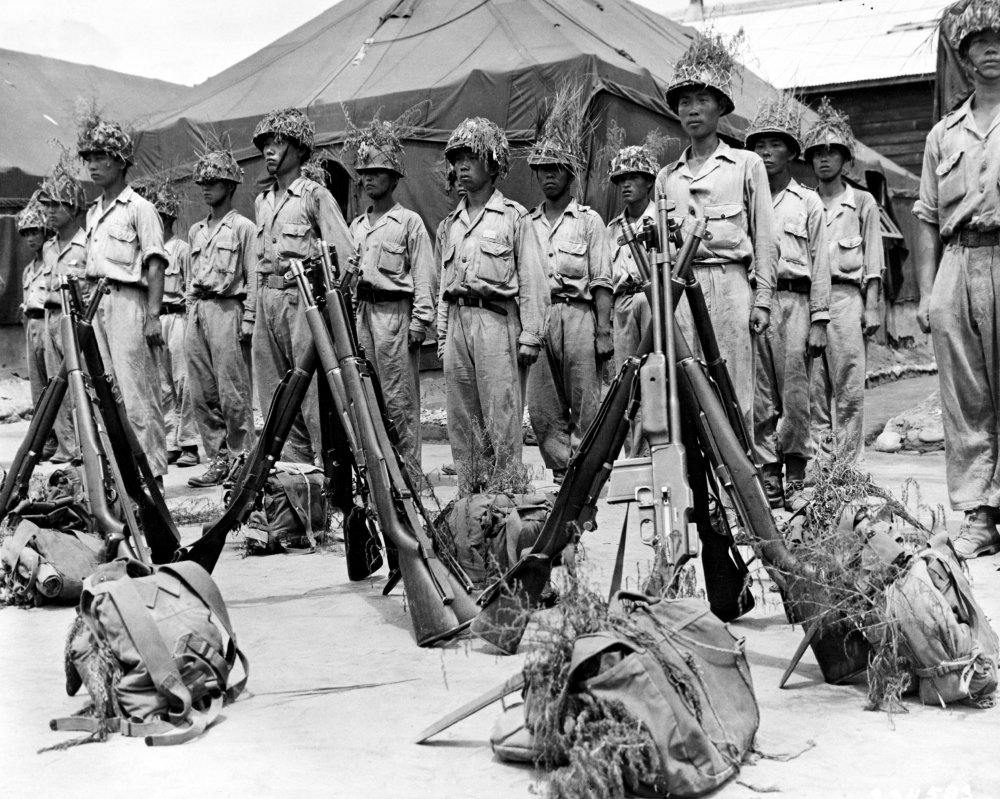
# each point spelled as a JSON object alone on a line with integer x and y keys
{"x": 986, "y": 103}
{"x": 779, "y": 182}
{"x": 703, "y": 146}
{"x": 217, "y": 212}
{"x": 380, "y": 206}
{"x": 828, "y": 189}
{"x": 66, "y": 233}
{"x": 112, "y": 190}
{"x": 476, "y": 200}
{"x": 282, "y": 180}
{"x": 554, "y": 207}
{"x": 637, "y": 209}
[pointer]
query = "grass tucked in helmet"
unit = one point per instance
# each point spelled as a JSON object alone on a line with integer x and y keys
{"x": 216, "y": 165}
{"x": 62, "y": 185}
{"x": 378, "y": 145}
{"x": 780, "y": 115}
{"x": 832, "y": 129}
{"x": 560, "y": 132}
{"x": 634, "y": 159}
{"x": 286, "y": 125}
{"x": 98, "y": 135}
{"x": 485, "y": 139}
{"x": 708, "y": 63}
{"x": 315, "y": 168}
{"x": 32, "y": 216}
{"x": 963, "y": 19}
{"x": 159, "y": 190}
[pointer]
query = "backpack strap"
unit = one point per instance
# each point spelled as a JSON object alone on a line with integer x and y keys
{"x": 161, "y": 733}
{"x": 289, "y": 480}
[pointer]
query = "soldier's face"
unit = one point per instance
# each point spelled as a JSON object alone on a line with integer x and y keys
{"x": 774, "y": 152}
{"x": 34, "y": 238}
{"x": 472, "y": 171}
{"x": 377, "y": 183}
{"x": 984, "y": 52}
{"x": 635, "y": 187}
{"x": 699, "y": 111}
{"x": 58, "y": 215}
{"x": 279, "y": 155}
{"x": 214, "y": 193}
{"x": 554, "y": 180}
{"x": 827, "y": 163}
{"x": 104, "y": 168}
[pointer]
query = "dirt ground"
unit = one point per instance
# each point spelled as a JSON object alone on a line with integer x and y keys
{"x": 338, "y": 690}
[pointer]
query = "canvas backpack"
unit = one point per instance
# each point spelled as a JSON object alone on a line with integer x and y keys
{"x": 293, "y": 513}
{"x": 155, "y": 650}
{"x": 42, "y": 565}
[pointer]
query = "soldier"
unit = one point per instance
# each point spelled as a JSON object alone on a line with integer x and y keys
{"x": 958, "y": 267}
{"x": 65, "y": 255}
{"x": 564, "y": 386}
{"x": 33, "y": 228}
{"x": 222, "y": 305}
{"x": 854, "y": 241}
{"x": 397, "y": 286}
{"x": 633, "y": 169}
{"x": 800, "y": 310}
{"x": 729, "y": 189}
{"x": 125, "y": 245}
{"x": 491, "y": 311}
{"x": 293, "y": 216}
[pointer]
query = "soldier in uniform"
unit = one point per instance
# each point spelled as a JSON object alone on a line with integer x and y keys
{"x": 854, "y": 241}
{"x": 958, "y": 268}
{"x": 493, "y": 301}
{"x": 65, "y": 255}
{"x": 729, "y": 189}
{"x": 397, "y": 285}
{"x": 34, "y": 229}
{"x": 125, "y": 245}
{"x": 293, "y": 216}
{"x": 800, "y": 310}
{"x": 222, "y": 305}
{"x": 633, "y": 169}
{"x": 564, "y": 385}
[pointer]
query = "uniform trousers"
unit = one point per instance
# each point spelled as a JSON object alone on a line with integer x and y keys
{"x": 178, "y": 414}
{"x": 65, "y": 436}
{"x": 630, "y": 319}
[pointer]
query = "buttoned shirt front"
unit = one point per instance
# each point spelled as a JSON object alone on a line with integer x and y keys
{"x": 731, "y": 192}
{"x": 60, "y": 262}
{"x": 122, "y": 236}
{"x": 854, "y": 237}
{"x": 178, "y": 268}
{"x": 577, "y": 251}
{"x": 224, "y": 260}
{"x": 34, "y": 285}
{"x": 800, "y": 225}
{"x": 395, "y": 255}
{"x": 960, "y": 182}
{"x": 496, "y": 256}
{"x": 292, "y": 225}
{"x": 623, "y": 267}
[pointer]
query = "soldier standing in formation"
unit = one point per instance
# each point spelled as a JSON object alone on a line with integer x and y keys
{"x": 800, "y": 310}
{"x": 222, "y": 305}
{"x": 293, "y": 216}
{"x": 958, "y": 267}
{"x": 564, "y": 385}
{"x": 491, "y": 312}
{"x": 397, "y": 286}
{"x": 854, "y": 240}
{"x": 65, "y": 255}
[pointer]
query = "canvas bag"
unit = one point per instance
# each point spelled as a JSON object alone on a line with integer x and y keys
{"x": 293, "y": 511}
{"x": 170, "y": 646}
{"x": 42, "y": 565}
{"x": 949, "y": 641}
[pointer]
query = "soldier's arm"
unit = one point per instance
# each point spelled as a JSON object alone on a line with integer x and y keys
{"x": 601, "y": 283}
{"x": 874, "y": 254}
{"x": 533, "y": 289}
{"x": 760, "y": 222}
{"x": 154, "y": 259}
{"x": 440, "y": 246}
{"x": 330, "y": 222}
{"x": 819, "y": 252}
{"x": 424, "y": 276}
{"x": 928, "y": 244}
{"x": 248, "y": 259}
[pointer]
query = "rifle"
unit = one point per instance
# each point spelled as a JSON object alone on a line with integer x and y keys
{"x": 437, "y": 590}
{"x": 29, "y": 453}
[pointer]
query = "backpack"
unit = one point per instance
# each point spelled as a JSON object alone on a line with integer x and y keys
{"x": 488, "y": 532}
{"x": 42, "y": 565}
{"x": 691, "y": 693}
{"x": 293, "y": 512}
{"x": 946, "y": 636}
{"x": 155, "y": 650}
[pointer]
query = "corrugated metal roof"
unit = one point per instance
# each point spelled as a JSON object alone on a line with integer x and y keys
{"x": 826, "y": 42}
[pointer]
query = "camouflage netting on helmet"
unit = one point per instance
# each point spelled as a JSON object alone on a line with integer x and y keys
{"x": 560, "y": 132}
{"x": 832, "y": 129}
{"x": 642, "y": 159}
{"x": 485, "y": 139}
{"x": 315, "y": 168}
{"x": 97, "y": 135}
{"x": 710, "y": 61}
{"x": 966, "y": 17}
{"x": 288, "y": 124}
{"x": 159, "y": 190}
{"x": 32, "y": 216}
{"x": 780, "y": 114}
{"x": 217, "y": 164}
{"x": 62, "y": 185}
{"x": 378, "y": 145}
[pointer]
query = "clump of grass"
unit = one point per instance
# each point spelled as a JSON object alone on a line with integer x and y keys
{"x": 492, "y": 467}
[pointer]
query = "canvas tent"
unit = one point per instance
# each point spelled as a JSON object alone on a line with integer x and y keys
{"x": 453, "y": 59}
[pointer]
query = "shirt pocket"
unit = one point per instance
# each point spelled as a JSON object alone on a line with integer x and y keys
{"x": 391, "y": 258}
{"x": 572, "y": 259}
{"x": 849, "y": 254}
{"x": 496, "y": 263}
{"x": 122, "y": 245}
{"x": 795, "y": 243}
{"x": 294, "y": 241}
{"x": 725, "y": 223}
{"x": 951, "y": 181}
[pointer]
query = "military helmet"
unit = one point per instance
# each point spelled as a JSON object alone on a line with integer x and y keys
{"x": 486, "y": 140}
{"x": 32, "y": 216}
{"x": 62, "y": 186}
{"x": 158, "y": 190}
{"x": 634, "y": 159}
{"x": 288, "y": 124}
{"x": 778, "y": 116}
{"x": 387, "y": 155}
{"x": 832, "y": 129}
{"x": 106, "y": 137}
{"x": 217, "y": 165}
{"x": 708, "y": 63}
{"x": 966, "y": 17}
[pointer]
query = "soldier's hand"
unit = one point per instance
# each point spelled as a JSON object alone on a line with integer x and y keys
{"x": 924, "y": 314}
{"x": 604, "y": 346}
{"x": 871, "y": 322}
{"x": 246, "y": 331}
{"x": 817, "y": 339}
{"x": 527, "y": 354}
{"x": 760, "y": 320}
{"x": 152, "y": 331}
{"x": 415, "y": 339}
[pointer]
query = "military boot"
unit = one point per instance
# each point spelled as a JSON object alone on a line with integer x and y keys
{"x": 773, "y": 486}
{"x": 978, "y": 535}
{"x": 214, "y": 475}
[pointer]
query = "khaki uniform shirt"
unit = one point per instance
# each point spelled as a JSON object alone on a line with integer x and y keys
{"x": 960, "y": 184}
{"x": 122, "y": 237}
{"x": 800, "y": 223}
{"x": 731, "y": 192}
{"x": 34, "y": 285}
{"x": 495, "y": 256}
{"x": 291, "y": 226}
{"x": 67, "y": 261}
{"x": 577, "y": 251}
{"x": 396, "y": 255}
{"x": 178, "y": 268}
{"x": 224, "y": 260}
{"x": 623, "y": 267}
{"x": 854, "y": 237}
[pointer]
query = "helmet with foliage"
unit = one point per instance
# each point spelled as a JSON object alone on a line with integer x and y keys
{"x": 485, "y": 139}
{"x": 287, "y": 124}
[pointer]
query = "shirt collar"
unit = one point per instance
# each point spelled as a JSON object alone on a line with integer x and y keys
{"x": 573, "y": 209}
{"x": 960, "y": 114}
{"x": 723, "y": 152}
